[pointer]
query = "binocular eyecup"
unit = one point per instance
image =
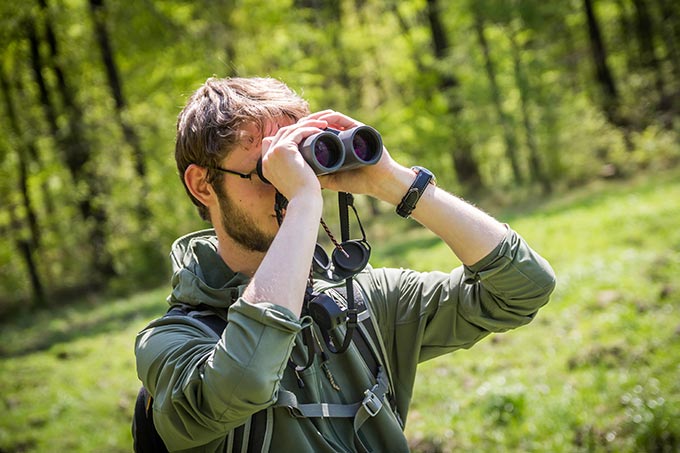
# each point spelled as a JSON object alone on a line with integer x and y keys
{"x": 331, "y": 150}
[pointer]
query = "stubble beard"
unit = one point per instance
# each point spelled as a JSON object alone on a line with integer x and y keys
{"x": 240, "y": 226}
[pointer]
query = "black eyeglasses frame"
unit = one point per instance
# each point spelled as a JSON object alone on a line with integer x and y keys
{"x": 248, "y": 176}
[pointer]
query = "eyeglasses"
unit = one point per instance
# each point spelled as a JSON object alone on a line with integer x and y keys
{"x": 248, "y": 176}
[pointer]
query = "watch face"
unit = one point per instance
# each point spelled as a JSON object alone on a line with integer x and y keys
{"x": 419, "y": 169}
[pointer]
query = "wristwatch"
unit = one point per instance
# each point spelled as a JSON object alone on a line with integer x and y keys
{"x": 408, "y": 203}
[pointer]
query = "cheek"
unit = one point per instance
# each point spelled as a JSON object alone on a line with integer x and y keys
{"x": 257, "y": 202}
{"x": 266, "y": 193}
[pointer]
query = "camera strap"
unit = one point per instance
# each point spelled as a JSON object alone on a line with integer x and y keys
{"x": 280, "y": 204}
{"x": 345, "y": 200}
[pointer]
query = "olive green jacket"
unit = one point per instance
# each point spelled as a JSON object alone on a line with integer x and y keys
{"x": 205, "y": 385}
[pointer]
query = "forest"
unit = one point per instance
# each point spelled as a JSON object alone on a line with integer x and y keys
{"x": 515, "y": 99}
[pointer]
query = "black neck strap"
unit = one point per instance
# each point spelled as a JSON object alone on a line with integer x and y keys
{"x": 345, "y": 200}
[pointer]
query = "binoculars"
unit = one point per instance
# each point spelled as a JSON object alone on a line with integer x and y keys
{"x": 330, "y": 150}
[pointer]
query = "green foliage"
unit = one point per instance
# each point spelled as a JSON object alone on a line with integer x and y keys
{"x": 373, "y": 60}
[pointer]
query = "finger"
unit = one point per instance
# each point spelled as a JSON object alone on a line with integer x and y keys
{"x": 316, "y": 115}
{"x": 340, "y": 120}
{"x": 285, "y": 132}
{"x": 301, "y": 133}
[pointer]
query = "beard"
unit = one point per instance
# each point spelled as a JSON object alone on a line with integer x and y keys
{"x": 240, "y": 226}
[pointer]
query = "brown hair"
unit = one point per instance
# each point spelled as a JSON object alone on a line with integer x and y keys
{"x": 211, "y": 123}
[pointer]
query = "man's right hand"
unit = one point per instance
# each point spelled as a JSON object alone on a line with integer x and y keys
{"x": 282, "y": 163}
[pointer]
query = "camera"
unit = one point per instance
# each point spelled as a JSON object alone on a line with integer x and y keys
{"x": 331, "y": 150}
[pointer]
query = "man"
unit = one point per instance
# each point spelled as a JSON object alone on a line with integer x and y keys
{"x": 254, "y": 273}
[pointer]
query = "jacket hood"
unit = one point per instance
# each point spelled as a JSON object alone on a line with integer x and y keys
{"x": 200, "y": 276}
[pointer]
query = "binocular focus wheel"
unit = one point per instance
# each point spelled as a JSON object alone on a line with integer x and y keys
{"x": 356, "y": 258}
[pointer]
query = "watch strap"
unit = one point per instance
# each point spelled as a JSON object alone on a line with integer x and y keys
{"x": 424, "y": 177}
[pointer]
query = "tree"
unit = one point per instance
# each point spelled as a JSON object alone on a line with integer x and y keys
{"x": 535, "y": 165}
{"x": 609, "y": 93}
{"x": 98, "y": 14}
{"x": 465, "y": 166}
{"x": 77, "y": 154}
{"x": 27, "y": 245}
{"x": 647, "y": 49}
{"x": 511, "y": 145}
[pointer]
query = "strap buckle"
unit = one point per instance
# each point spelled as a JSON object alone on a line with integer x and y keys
{"x": 295, "y": 412}
{"x": 371, "y": 403}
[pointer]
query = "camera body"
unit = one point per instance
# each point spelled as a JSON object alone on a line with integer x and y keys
{"x": 331, "y": 150}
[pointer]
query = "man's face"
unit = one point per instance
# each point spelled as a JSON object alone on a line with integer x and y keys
{"x": 247, "y": 205}
{"x": 240, "y": 224}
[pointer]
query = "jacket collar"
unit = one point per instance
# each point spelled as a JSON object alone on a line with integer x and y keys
{"x": 200, "y": 276}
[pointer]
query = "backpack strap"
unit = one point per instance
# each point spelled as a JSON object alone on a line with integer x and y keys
{"x": 254, "y": 436}
{"x": 372, "y": 350}
{"x": 360, "y": 411}
{"x": 369, "y": 406}
{"x": 144, "y": 435}
{"x": 369, "y": 343}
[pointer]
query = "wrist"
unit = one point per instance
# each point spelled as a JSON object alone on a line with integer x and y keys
{"x": 424, "y": 178}
{"x": 310, "y": 202}
{"x": 392, "y": 188}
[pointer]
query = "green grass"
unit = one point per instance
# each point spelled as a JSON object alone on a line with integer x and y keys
{"x": 68, "y": 375}
{"x": 597, "y": 370}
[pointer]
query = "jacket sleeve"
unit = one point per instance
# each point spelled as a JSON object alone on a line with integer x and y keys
{"x": 424, "y": 315}
{"x": 204, "y": 385}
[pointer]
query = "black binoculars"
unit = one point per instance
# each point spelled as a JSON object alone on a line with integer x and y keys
{"x": 330, "y": 150}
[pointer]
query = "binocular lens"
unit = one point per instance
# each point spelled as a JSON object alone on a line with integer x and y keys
{"x": 366, "y": 146}
{"x": 326, "y": 151}
{"x": 363, "y": 148}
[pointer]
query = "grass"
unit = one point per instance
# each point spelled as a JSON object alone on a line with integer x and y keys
{"x": 596, "y": 371}
{"x": 68, "y": 375}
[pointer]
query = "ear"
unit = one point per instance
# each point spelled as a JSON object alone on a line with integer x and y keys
{"x": 195, "y": 180}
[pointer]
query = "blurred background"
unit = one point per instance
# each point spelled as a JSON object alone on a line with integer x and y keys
{"x": 544, "y": 113}
{"x": 492, "y": 95}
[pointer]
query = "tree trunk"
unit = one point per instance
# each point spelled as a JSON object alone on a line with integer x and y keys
{"x": 670, "y": 29}
{"x": 23, "y": 144}
{"x": 98, "y": 13}
{"x": 609, "y": 98}
{"x": 610, "y": 94}
{"x": 44, "y": 99}
{"x": 464, "y": 164}
{"x": 506, "y": 122}
{"x": 27, "y": 251}
{"x": 27, "y": 247}
{"x": 626, "y": 32}
{"x": 77, "y": 155}
{"x": 603, "y": 74}
{"x": 648, "y": 57}
{"x": 537, "y": 172}
{"x": 36, "y": 67}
